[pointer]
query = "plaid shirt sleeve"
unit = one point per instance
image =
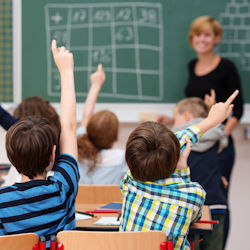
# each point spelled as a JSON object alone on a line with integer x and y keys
{"x": 184, "y": 174}
{"x": 192, "y": 132}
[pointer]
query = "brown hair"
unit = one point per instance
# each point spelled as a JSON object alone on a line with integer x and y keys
{"x": 29, "y": 144}
{"x": 38, "y": 106}
{"x": 204, "y": 23}
{"x": 194, "y": 105}
{"x": 102, "y": 131}
{"x": 152, "y": 152}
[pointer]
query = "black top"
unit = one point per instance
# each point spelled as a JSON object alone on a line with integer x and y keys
{"x": 204, "y": 169}
{"x": 224, "y": 79}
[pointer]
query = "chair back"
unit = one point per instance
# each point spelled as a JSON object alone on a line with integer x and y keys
{"x": 91, "y": 194}
{"x": 18, "y": 241}
{"x": 82, "y": 240}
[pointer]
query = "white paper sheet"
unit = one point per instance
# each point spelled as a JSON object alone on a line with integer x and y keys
{"x": 107, "y": 221}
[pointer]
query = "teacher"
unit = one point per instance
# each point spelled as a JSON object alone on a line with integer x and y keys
{"x": 214, "y": 79}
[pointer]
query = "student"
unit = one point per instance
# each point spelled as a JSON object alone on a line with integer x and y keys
{"x": 34, "y": 105}
{"x": 191, "y": 111}
{"x": 203, "y": 163}
{"x": 40, "y": 205}
{"x": 157, "y": 193}
{"x": 99, "y": 163}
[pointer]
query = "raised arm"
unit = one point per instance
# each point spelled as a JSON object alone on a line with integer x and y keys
{"x": 65, "y": 64}
{"x": 6, "y": 119}
{"x": 97, "y": 79}
{"x": 217, "y": 114}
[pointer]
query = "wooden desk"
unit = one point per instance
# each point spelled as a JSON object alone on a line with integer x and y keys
{"x": 88, "y": 225}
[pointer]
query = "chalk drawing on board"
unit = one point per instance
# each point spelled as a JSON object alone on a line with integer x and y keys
{"x": 116, "y": 35}
{"x": 236, "y": 33}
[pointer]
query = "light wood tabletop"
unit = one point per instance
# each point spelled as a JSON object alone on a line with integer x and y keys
{"x": 196, "y": 228}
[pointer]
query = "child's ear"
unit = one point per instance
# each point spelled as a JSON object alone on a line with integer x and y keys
{"x": 53, "y": 153}
{"x": 187, "y": 116}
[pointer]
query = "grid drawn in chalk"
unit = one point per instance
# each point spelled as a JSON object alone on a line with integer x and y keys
{"x": 127, "y": 38}
{"x": 236, "y": 33}
{"x": 6, "y": 83}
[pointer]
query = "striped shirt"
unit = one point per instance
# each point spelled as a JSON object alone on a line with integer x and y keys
{"x": 44, "y": 207}
{"x": 170, "y": 205}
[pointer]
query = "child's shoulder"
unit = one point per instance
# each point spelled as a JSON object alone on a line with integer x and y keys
{"x": 113, "y": 156}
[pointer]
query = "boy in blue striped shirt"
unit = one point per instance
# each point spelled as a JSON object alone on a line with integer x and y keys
{"x": 40, "y": 205}
{"x": 157, "y": 191}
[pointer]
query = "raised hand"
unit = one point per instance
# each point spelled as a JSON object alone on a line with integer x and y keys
{"x": 210, "y": 100}
{"x": 182, "y": 163}
{"x": 63, "y": 58}
{"x": 221, "y": 110}
{"x": 98, "y": 77}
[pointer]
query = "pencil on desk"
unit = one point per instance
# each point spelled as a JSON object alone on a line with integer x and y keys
{"x": 103, "y": 211}
{"x": 85, "y": 213}
{"x": 208, "y": 221}
{"x": 118, "y": 217}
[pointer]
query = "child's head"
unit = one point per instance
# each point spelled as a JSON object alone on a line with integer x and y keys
{"x": 29, "y": 145}
{"x": 202, "y": 24}
{"x": 102, "y": 132}
{"x": 38, "y": 106}
{"x": 152, "y": 152}
{"x": 188, "y": 109}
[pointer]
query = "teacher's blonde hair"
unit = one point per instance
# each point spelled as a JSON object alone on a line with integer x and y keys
{"x": 204, "y": 23}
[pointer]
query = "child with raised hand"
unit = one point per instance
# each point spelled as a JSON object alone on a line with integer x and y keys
{"x": 203, "y": 163}
{"x": 156, "y": 194}
{"x": 98, "y": 162}
{"x": 40, "y": 205}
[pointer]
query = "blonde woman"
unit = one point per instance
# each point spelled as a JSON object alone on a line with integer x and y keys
{"x": 213, "y": 78}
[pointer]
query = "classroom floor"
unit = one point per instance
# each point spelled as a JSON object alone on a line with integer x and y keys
{"x": 239, "y": 202}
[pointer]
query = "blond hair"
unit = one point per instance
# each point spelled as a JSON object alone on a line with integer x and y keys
{"x": 204, "y": 23}
{"x": 193, "y": 105}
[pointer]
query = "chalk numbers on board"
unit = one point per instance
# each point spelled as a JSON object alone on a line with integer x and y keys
{"x": 79, "y": 16}
{"x": 124, "y": 15}
{"x": 124, "y": 34}
{"x": 102, "y": 16}
{"x": 102, "y": 56}
{"x": 147, "y": 15}
{"x": 60, "y": 36}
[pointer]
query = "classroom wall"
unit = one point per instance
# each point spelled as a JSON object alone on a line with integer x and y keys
{"x": 240, "y": 185}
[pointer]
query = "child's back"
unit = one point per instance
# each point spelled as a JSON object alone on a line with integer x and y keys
{"x": 44, "y": 206}
{"x": 99, "y": 163}
{"x": 155, "y": 198}
{"x": 203, "y": 161}
{"x": 157, "y": 192}
{"x": 31, "y": 106}
{"x": 40, "y": 205}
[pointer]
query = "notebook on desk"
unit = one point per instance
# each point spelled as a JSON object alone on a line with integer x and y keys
{"x": 113, "y": 207}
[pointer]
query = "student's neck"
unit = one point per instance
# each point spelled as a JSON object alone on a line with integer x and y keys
{"x": 207, "y": 58}
{"x": 38, "y": 177}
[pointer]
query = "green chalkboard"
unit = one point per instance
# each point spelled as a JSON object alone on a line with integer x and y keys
{"x": 142, "y": 45}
